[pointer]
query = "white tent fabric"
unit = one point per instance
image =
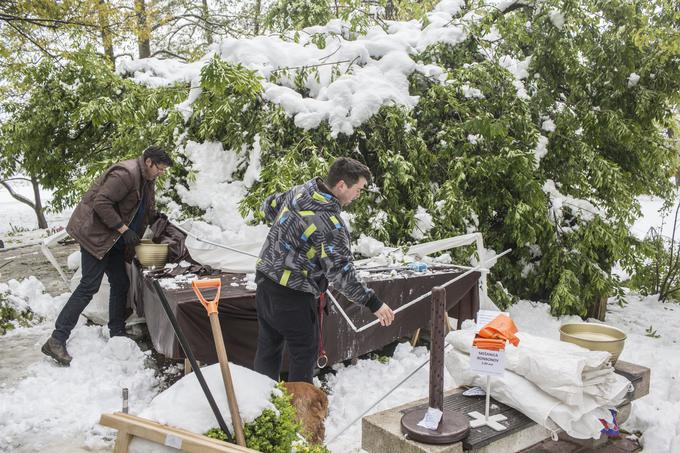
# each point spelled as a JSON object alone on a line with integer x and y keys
{"x": 211, "y": 246}
{"x": 204, "y": 244}
{"x": 540, "y": 374}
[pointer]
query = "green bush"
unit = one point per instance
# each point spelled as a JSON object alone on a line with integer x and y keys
{"x": 10, "y": 316}
{"x": 656, "y": 268}
{"x": 275, "y": 430}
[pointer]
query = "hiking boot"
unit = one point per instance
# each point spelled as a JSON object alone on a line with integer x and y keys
{"x": 57, "y": 350}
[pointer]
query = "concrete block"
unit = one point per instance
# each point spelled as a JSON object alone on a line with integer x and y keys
{"x": 381, "y": 432}
{"x": 516, "y": 441}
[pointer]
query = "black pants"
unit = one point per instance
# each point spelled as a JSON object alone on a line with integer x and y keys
{"x": 286, "y": 315}
{"x": 113, "y": 265}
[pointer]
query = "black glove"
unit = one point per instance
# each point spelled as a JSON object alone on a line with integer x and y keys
{"x": 160, "y": 216}
{"x": 131, "y": 238}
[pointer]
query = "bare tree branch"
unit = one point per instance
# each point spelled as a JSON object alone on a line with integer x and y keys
{"x": 28, "y": 37}
{"x": 17, "y": 196}
{"x": 42, "y": 22}
{"x": 167, "y": 52}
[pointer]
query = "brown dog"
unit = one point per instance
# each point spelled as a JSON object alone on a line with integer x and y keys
{"x": 311, "y": 406}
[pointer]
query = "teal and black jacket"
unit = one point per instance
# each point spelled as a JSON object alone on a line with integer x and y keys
{"x": 308, "y": 244}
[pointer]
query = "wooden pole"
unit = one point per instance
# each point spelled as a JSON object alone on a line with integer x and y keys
{"x": 437, "y": 334}
{"x": 226, "y": 376}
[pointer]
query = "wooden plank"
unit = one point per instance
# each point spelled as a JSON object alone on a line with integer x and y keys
{"x": 122, "y": 442}
{"x": 168, "y": 435}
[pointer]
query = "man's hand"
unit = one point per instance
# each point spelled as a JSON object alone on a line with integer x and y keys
{"x": 385, "y": 315}
{"x": 131, "y": 238}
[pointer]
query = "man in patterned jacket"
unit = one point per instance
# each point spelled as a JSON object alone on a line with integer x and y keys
{"x": 307, "y": 246}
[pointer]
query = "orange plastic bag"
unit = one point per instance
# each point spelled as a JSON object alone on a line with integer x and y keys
{"x": 488, "y": 343}
{"x": 502, "y": 328}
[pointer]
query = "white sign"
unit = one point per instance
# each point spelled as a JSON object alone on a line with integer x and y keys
{"x": 486, "y": 316}
{"x": 432, "y": 418}
{"x": 487, "y": 361}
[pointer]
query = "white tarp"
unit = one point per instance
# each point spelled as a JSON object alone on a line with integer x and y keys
{"x": 211, "y": 246}
{"x": 202, "y": 240}
{"x": 541, "y": 371}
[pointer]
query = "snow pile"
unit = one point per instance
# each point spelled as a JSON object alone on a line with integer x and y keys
{"x": 652, "y": 328}
{"x": 375, "y": 67}
{"x": 214, "y": 189}
{"x": 184, "y": 404}
{"x": 520, "y": 71}
{"x": 424, "y": 223}
{"x": 355, "y": 388}
{"x": 581, "y": 208}
{"x": 53, "y": 404}
{"x": 541, "y": 149}
{"x": 557, "y": 19}
{"x": 29, "y": 294}
{"x": 368, "y": 246}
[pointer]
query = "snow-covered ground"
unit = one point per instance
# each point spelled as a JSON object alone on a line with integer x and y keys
{"x": 19, "y": 223}
{"x": 44, "y": 407}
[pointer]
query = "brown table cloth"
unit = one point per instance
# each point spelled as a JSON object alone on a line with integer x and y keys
{"x": 238, "y": 317}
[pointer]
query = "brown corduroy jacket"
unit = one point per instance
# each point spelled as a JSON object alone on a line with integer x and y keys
{"x": 111, "y": 202}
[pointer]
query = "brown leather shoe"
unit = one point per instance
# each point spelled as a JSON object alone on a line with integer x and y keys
{"x": 57, "y": 350}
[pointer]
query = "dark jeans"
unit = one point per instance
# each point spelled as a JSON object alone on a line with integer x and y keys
{"x": 286, "y": 315}
{"x": 113, "y": 265}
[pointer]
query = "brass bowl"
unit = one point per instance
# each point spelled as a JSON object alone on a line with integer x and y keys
{"x": 596, "y": 337}
{"x": 150, "y": 254}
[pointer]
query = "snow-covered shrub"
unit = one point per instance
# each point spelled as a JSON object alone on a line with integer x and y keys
{"x": 275, "y": 431}
{"x": 13, "y": 314}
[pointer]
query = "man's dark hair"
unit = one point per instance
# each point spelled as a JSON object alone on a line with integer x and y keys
{"x": 348, "y": 170}
{"x": 157, "y": 155}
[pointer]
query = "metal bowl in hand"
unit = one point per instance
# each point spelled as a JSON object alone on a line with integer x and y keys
{"x": 150, "y": 254}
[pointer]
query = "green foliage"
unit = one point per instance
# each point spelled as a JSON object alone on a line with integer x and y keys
{"x": 469, "y": 160}
{"x": 651, "y": 332}
{"x": 11, "y": 316}
{"x": 466, "y": 153}
{"x": 228, "y": 107}
{"x": 656, "y": 266}
{"x": 274, "y": 431}
{"x": 297, "y": 14}
{"x": 76, "y": 119}
{"x": 288, "y": 15}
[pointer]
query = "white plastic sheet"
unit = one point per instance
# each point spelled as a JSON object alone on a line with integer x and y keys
{"x": 554, "y": 383}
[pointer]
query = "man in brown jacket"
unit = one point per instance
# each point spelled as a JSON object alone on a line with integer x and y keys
{"x": 107, "y": 224}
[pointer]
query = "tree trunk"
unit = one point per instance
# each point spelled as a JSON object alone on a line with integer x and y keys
{"x": 389, "y": 10}
{"x": 256, "y": 18}
{"x": 107, "y": 39}
{"x": 598, "y": 307}
{"x": 37, "y": 206}
{"x": 143, "y": 30}
{"x": 206, "y": 19}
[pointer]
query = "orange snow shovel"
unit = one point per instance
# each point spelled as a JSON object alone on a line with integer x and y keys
{"x": 211, "y": 307}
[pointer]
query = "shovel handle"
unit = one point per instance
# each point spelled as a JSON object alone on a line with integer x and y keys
{"x": 210, "y": 306}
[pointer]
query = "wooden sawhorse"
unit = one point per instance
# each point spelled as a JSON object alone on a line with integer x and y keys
{"x": 181, "y": 439}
